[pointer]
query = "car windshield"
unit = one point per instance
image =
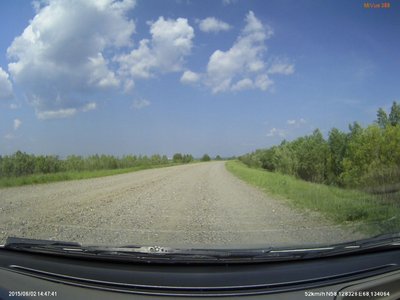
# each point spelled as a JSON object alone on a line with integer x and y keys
{"x": 225, "y": 124}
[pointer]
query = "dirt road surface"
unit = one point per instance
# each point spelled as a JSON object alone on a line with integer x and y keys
{"x": 195, "y": 205}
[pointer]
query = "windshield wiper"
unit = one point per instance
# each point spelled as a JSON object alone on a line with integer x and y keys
{"x": 131, "y": 251}
{"x": 166, "y": 254}
{"x": 27, "y": 243}
{"x": 373, "y": 244}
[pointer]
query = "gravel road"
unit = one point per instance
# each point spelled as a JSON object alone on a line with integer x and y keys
{"x": 195, "y": 205}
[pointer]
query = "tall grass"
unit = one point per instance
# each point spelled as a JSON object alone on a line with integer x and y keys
{"x": 375, "y": 213}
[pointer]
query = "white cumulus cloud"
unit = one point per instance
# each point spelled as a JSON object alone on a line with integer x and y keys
{"x": 276, "y": 132}
{"x": 56, "y": 114}
{"x": 5, "y": 85}
{"x": 212, "y": 24}
{"x": 9, "y": 136}
{"x": 243, "y": 84}
{"x": 171, "y": 41}
{"x": 14, "y": 106}
{"x": 17, "y": 124}
{"x": 228, "y": 2}
{"x": 281, "y": 67}
{"x": 65, "y": 112}
{"x": 297, "y": 123}
{"x": 60, "y": 57}
{"x": 89, "y": 106}
{"x": 242, "y": 66}
{"x": 140, "y": 103}
{"x": 190, "y": 77}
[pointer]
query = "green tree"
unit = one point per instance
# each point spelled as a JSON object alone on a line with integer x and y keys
{"x": 164, "y": 159}
{"x": 284, "y": 159}
{"x": 373, "y": 159}
{"x": 47, "y": 164}
{"x": 177, "y": 158}
{"x": 205, "y": 157}
{"x": 266, "y": 158}
{"x": 24, "y": 164}
{"x": 311, "y": 152}
{"x": 128, "y": 161}
{"x": 250, "y": 160}
{"x": 364, "y": 150}
{"x": 355, "y": 129}
{"x": 337, "y": 143}
{"x": 187, "y": 158}
{"x": 382, "y": 118}
{"x": 366, "y": 158}
{"x": 74, "y": 163}
{"x": 394, "y": 116}
{"x": 155, "y": 159}
{"x": 7, "y": 166}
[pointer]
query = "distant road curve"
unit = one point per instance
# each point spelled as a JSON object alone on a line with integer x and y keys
{"x": 194, "y": 205}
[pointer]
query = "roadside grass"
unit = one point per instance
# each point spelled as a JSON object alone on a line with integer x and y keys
{"x": 374, "y": 214}
{"x": 72, "y": 175}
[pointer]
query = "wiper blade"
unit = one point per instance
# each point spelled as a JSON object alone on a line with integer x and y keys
{"x": 166, "y": 254}
{"x": 24, "y": 243}
{"x": 132, "y": 251}
{"x": 377, "y": 243}
{"x": 374, "y": 243}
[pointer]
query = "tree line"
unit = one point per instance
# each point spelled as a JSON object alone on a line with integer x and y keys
{"x": 366, "y": 158}
{"x": 22, "y": 164}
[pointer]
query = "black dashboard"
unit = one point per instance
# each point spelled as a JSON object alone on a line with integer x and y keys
{"x": 39, "y": 276}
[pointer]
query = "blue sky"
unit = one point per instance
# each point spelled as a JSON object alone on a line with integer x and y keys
{"x": 219, "y": 77}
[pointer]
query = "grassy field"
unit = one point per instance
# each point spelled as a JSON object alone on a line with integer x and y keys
{"x": 374, "y": 214}
{"x": 72, "y": 175}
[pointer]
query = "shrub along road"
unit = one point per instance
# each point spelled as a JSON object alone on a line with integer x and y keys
{"x": 195, "y": 205}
